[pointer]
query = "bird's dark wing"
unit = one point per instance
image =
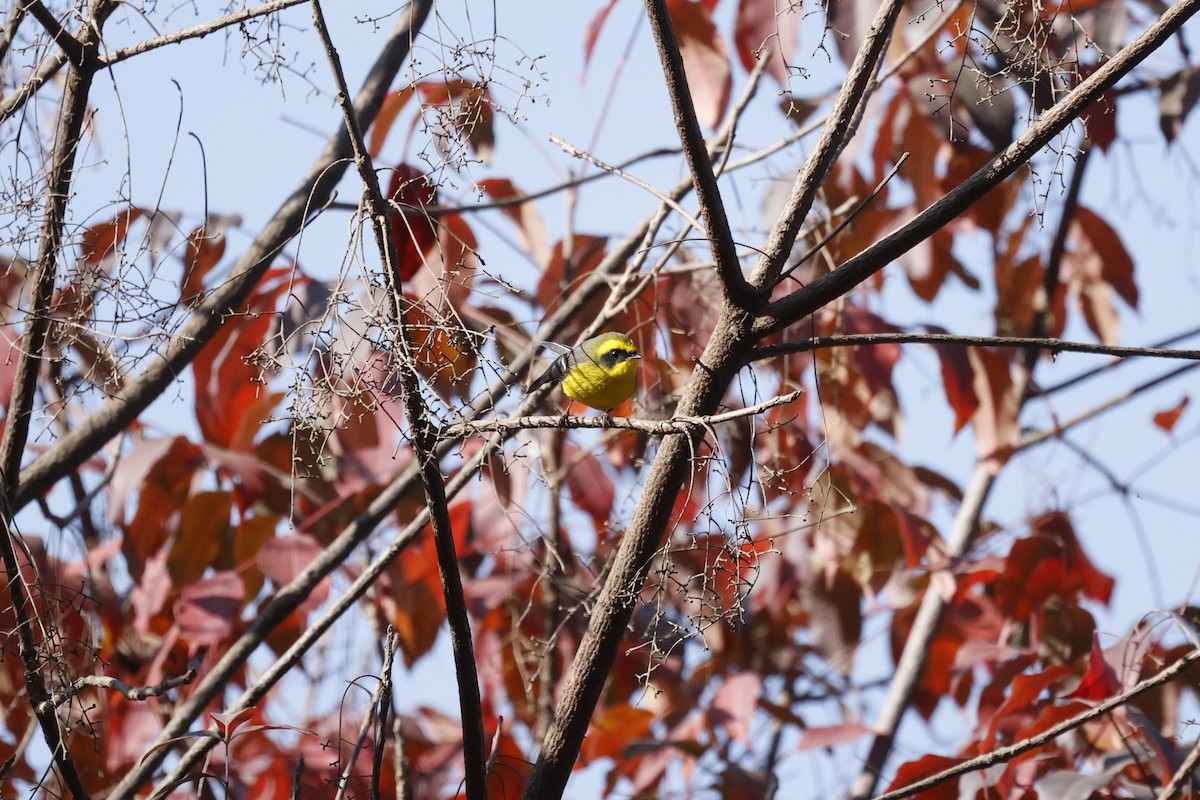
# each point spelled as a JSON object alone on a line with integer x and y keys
{"x": 557, "y": 371}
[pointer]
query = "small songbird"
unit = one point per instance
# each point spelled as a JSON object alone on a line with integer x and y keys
{"x": 600, "y": 373}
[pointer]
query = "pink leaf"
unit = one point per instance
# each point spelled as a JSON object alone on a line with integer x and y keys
{"x": 734, "y": 704}
{"x": 208, "y": 609}
{"x": 826, "y": 736}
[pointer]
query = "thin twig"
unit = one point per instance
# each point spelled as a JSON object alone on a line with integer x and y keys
{"x": 1182, "y": 775}
{"x": 384, "y": 703}
{"x": 135, "y": 693}
{"x": 855, "y": 91}
{"x": 196, "y": 31}
{"x": 841, "y": 226}
{"x": 574, "y": 151}
{"x": 1005, "y": 754}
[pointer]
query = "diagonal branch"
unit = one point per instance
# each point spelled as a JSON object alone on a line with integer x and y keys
{"x": 1005, "y": 754}
{"x": 827, "y": 288}
{"x": 834, "y": 135}
{"x": 716, "y": 223}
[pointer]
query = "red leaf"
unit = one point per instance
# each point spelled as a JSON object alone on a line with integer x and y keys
{"x": 924, "y": 767}
{"x": 592, "y": 32}
{"x": 613, "y": 729}
{"x": 284, "y": 558}
{"x": 1168, "y": 418}
{"x": 1099, "y": 682}
{"x": 103, "y": 239}
{"x": 771, "y": 24}
{"x": 207, "y": 610}
{"x": 203, "y": 250}
{"x": 705, "y": 59}
{"x": 465, "y": 110}
{"x": 413, "y": 230}
{"x": 392, "y": 104}
{"x": 1116, "y": 265}
{"x": 958, "y": 380}
{"x": 590, "y": 487}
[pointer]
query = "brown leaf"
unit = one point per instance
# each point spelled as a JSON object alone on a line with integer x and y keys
{"x": 535, "y": 240}
{"x": 834, "y": 605}
{"x": 1095, "y": 238}
{"x": 1168, "y": 418}
{"x": 203, "y": 528}
{"x": 705, "y": 59}
{"x": 1179, "y": 95}
{"x": 996, "y": 429}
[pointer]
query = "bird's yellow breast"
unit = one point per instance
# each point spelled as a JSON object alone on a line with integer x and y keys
{"x": 591, "y": 385}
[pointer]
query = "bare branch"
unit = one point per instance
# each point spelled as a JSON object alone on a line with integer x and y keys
{"x": 1054, "y": 346}
{"x": 196, "y": 31}
{"x": 69, "y": 44}
{"x": 135, "y": 693}
{"x": 572, "y": 150}
{"x": 1005, "y": 754}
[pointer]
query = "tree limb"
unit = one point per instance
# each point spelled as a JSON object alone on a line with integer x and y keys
{"x": 1054, "y": 346}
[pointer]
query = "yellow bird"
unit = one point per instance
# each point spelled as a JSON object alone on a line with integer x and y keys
{"x": 600, "y": 373}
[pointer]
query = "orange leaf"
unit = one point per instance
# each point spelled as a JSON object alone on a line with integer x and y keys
{"x": 532, "y": 228}
{"x": 924, "y": 767}
{"x": 705, "y": 59}
{"x": 1168, "y": 418}
{"x": 392, "y": 104}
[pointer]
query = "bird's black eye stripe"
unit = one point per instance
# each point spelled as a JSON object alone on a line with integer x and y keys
{"x": 615, "y": 356}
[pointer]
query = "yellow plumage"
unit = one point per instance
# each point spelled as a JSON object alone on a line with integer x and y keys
{"x": 600, "y": 373}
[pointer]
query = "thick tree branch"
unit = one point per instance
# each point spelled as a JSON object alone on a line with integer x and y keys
{"x": 804, "y": 301}
{"x": 720, "y": 237}
{"x": 71, "y": 46}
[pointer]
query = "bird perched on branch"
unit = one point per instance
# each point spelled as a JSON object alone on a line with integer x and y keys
{"x": 600, "y": 373}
